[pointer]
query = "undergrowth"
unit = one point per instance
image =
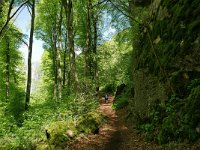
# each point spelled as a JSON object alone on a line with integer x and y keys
{"x": 177, "y": 121}
{"x": 40, "y": 117}
{"x": 122, "y": 100}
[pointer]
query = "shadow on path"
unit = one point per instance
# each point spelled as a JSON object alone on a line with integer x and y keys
{"x": 116, "y": 134}
{"x": 111, "y": 135}
{"x": 114, "y": 142}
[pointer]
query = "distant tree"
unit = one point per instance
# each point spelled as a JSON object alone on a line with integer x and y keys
{"x": 49, "y": 29}
{"x": 11, "y": 66}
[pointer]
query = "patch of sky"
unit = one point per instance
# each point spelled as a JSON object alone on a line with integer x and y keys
{"x": 22, "y": 22}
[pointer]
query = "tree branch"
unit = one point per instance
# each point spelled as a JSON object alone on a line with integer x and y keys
{"x": 9, "y": 12}
{"x": 18, "y": 9}
{"x": 28, "y": 7}
{"x": 124, "y": 12}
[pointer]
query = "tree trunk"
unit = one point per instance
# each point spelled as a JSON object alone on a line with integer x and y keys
{"x": 95, "y": 35}
{"x": 54, "y": 48}
{"x": 64, "y": 62}
{"x": 73, "y": 79}
{"x": 59, "y": 55}
{"x": 28, "y": 88}
{"x": 88, "y": 42}
{"x": 8, "y": 70}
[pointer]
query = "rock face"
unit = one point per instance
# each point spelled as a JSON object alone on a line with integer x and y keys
{"x": 148, "y": 90}
{"x": 176, "y": 42}
{"x": 166, "y": 62}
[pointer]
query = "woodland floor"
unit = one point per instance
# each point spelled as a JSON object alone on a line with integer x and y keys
{"x": 116, "y": 134}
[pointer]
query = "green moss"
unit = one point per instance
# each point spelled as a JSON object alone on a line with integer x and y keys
{"x": 179, "y": 25}
{"x": 43, "y": 146}
{"x": 58, "y": 132}
{"x": 89, "y": 123}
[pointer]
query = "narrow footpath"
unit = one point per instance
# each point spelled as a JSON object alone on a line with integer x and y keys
{"x": 116, "y": 134}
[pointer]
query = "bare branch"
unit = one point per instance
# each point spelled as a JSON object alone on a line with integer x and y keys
{"x": 124, "y": 12}
{"x": 23, "y": 41}
{"x": 18, "y": 9}
{"x": 28, "y": 7}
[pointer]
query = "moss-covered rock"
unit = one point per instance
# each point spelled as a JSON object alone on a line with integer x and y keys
{"x": 43, "y": 146}
{"x": 90, "y": 123}
{"x": 148, "y": 90}
{"x": 59, "y": 132}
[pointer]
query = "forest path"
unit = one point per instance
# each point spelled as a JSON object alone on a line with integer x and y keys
{"x": 115, "y": 134}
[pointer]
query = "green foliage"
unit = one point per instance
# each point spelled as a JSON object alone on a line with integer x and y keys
{"x": 181, "y": 125}
{"x": 121, "y": 101}
{"x": 115, "y": 60}
{"x": 177, "y": 121}
{"x": 47, "y": 79}
{"x": 194, "y": 83}
{"x": 148, "y": 128}
{"x": 123, "y": 96}
{"x": 109, "y": 88}
{"x": 56, "y": 117}
{"x": 16, "y": 107}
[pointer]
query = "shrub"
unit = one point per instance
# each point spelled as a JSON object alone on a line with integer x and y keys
{"x": 109, "y": 88}
{"x": 122, "y": 100}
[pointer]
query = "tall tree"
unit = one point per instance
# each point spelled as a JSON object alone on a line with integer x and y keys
{"x": 94, "y": 46}
{"x": 88, "y": 40}
{"x": 64, "y": 62}
{"x": 60, "y": 47}
{"x": 11, "y": 70}
{"x": 28, "y": 88}
{"x": 49, "y": 29}
{"x": 54, "y": 48}
{"x": 73, "y": 79}
{"x": 7, "y": 69}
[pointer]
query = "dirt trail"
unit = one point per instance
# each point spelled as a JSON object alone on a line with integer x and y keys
{"x": 115, "y": 134}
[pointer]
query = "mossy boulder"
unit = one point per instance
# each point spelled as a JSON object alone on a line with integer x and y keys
{"x": 59, "y": 132}
{"x": 43, "y": 146}
{"x": 89, "y": 123}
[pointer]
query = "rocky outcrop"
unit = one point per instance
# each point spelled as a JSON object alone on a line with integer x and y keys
{"x": 148, "y": 90}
